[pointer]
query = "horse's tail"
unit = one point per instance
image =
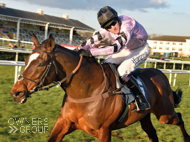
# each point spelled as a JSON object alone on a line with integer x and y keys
{"x": 177, "y": 95}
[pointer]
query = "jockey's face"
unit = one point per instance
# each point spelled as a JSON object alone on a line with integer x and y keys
{"x": 115, "y": 28}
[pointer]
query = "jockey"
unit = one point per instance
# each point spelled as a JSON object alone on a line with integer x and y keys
{"x": 129, "y": 49}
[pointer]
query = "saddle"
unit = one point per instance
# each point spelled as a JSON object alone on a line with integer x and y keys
{"x": 127, "y": 94}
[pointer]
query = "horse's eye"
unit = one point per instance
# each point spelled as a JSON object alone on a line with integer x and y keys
{"x": 40, "y": 65}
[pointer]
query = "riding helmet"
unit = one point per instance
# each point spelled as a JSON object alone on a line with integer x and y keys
{"x": 106, "y": 15}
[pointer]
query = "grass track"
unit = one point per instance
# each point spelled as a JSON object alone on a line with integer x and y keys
{"x": 44, "y": 108}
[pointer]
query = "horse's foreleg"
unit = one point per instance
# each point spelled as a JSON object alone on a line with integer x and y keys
{"x": 104, "y": 134}
{"x": 147, "y": 126}
{"x": 181, "y": 125}
{"x": 60, "y": 129}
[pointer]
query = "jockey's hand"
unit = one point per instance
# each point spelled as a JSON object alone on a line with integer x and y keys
{"x": 75, "y": 50}
{"x": 85, "y": 53}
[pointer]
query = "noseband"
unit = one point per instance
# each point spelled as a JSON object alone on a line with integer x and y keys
{"x": 39, "y": 84}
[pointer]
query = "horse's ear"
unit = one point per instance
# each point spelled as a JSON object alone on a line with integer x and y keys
{"x": 35, "y": 40}
{"x": 50, "y": 43}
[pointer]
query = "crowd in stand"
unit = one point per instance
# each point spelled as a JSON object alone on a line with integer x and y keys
{"x": 25, "y": 35}
{"x": 14, "y": 46}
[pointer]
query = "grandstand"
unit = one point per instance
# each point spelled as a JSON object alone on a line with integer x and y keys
{"x": 17, "y": 24}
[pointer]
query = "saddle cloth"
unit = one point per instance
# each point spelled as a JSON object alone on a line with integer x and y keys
{"x": 127, "y": 93}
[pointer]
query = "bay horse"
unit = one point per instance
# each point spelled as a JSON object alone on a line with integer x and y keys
{"x": 86, "y": 82}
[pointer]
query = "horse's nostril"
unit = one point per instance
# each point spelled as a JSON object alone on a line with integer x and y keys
{"x": 17, "y": 93}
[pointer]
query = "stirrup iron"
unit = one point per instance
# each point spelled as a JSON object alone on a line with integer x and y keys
{"x": 137, "y": 107}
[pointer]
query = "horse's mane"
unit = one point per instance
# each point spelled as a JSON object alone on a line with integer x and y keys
{"x": 59, "y": 48}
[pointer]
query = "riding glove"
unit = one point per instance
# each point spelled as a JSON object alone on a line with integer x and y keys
{"x": 85, "y": 52}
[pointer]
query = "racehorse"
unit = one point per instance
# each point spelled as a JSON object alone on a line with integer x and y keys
{"x": 86, "y": 104}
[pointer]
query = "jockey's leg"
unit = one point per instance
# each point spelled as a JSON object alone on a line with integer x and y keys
{"x": 132, "y": 62}
{"x": 142, "y": 103}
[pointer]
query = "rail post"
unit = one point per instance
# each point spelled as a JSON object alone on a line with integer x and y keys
{"x": 16, "y": 68}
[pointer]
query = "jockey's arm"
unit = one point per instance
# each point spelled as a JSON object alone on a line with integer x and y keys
{"x": 103, "y": 51}
{"x": 92, "y": 42}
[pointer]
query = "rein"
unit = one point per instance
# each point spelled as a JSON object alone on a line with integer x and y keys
{"x": 39, "y": 84}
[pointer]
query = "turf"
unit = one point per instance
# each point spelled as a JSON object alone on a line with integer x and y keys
{"x": 35, "y": 119}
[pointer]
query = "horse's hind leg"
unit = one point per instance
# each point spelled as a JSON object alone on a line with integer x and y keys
{"x": 181, "y": 125}
{"x": 147, "y": 126}
{"x": 176, "y": 120}
{"x": 60, "y": 129}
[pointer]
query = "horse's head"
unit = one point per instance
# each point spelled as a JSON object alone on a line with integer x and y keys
{"x": 38, "y": 71}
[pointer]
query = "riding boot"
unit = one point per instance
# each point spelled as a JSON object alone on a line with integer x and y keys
{"x": 142, "y": 103}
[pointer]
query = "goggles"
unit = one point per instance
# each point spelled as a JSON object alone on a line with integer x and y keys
{"x": 112, "y": 24}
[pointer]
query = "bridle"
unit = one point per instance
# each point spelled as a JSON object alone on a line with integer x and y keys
{"x": 41, "y": 80}
{"x": 39, "y": 84}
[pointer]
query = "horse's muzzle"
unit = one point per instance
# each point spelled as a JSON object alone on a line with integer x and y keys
{"x": 19, "y": 97}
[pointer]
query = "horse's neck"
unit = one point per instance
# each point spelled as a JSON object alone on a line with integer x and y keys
{"x": 67, "y": 59}
{"x": 86, "y": 81}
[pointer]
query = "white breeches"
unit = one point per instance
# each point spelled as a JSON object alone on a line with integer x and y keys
{"x": 129, "y": 60}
